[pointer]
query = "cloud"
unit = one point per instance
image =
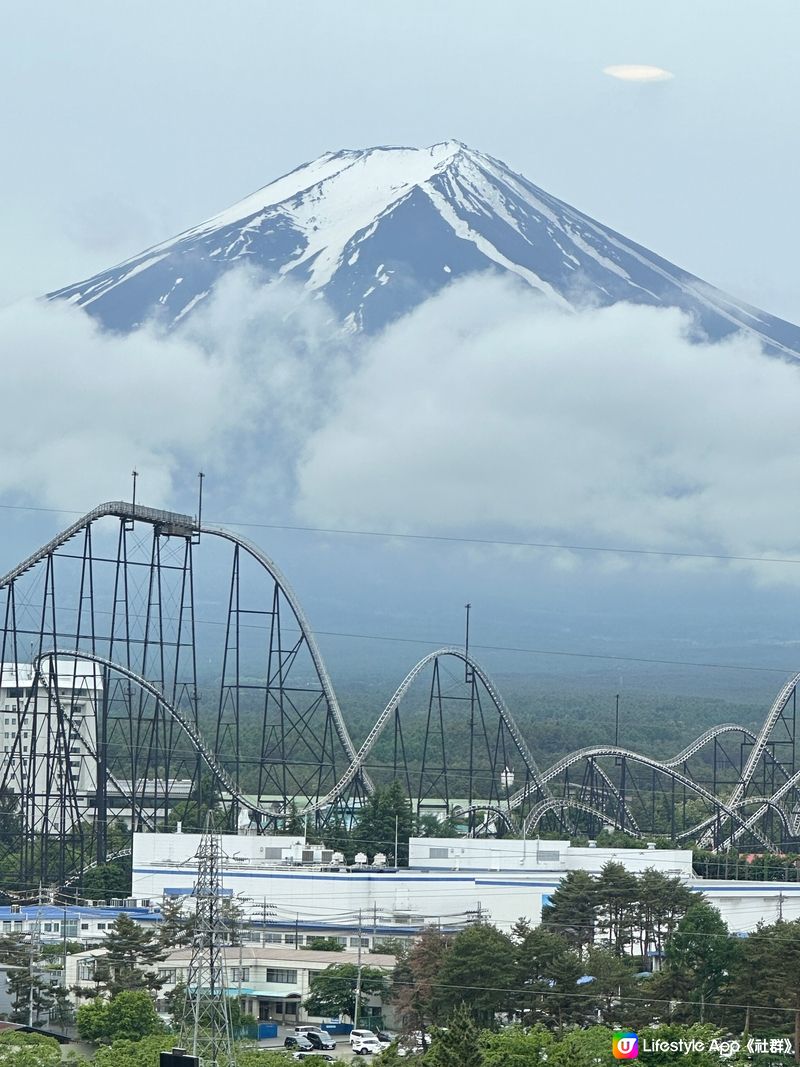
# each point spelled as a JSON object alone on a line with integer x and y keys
{"x": 238, "y": 385}
{"x": 486, "y": 412}
{"x": 489, "y": 411}
{"x": 638, "y": 72}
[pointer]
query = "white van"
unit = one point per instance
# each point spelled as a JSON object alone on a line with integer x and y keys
{"x": 365, "y": 1042}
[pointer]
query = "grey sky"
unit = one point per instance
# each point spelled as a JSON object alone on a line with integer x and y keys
{"x": 124, "y": 123}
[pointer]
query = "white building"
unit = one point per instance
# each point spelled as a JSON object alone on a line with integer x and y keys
{"x": 49, "y": 739}
{"x": 271, "y": 982}
{"x": 448, "y": 881}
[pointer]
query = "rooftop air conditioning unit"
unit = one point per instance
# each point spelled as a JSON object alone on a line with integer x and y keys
{"x": 327, "y": 855}
{"x": 360, "y": 858}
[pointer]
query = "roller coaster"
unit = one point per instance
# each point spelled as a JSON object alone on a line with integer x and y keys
{"x": 152, "y": 665}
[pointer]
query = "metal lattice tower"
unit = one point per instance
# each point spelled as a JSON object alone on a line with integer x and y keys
{"x": 206, "y": 1029}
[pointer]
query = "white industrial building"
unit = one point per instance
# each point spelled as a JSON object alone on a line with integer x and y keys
{"x": 449, "y": 881}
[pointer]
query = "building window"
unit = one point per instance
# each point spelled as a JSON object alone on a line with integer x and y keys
{"x": 290, "y": 1007}
{"x": 240, "y": 974}
{"x": 271, "y": 938}
{"x": 101, "y": 926}
{"x": 84, "y": 926}
{"x": 86, "y": 970}
{"x": 281, "y": 975}
{"x": 354, "y": 942}
{"x": 168, "y": 974}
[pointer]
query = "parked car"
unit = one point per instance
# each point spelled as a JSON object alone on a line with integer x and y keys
{"x": 298, "y": 1041}
{"x": 360, "y": 1035}
{"x": 366, "y": 1046}
{"x": 319, "y": 1039}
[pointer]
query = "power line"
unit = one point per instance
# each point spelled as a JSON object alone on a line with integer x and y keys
{"x": 392, "y": 535}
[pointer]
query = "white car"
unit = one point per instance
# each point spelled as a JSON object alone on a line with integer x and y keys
{"x": 366, "y": 1043}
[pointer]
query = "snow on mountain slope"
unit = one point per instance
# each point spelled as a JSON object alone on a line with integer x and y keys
{"x": 378, "y": 231}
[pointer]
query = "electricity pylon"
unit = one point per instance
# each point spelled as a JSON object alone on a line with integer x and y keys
{"x": 206, "y": 1029}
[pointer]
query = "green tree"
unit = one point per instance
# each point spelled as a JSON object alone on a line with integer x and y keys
{"x": 456, "y": 1046}
{"x": 570, "y": 911}
{"x": 175, "y": 928}
{"x": 415, "y": 975}
{"x": 333, "y": 991}
{"x": 546, "y": 970}
{"x": 702, "y": 952}
{"x": 324, "y": 944}
{"x": 514, "y": 1047}
{"x": 387, "y": 810}
{"x": 130, "y": 947}
{"x": 129, "y": 1015}
{"x": 107, "y": 880}
{"x": 612, "y": 980}
{"x": 28, "y": 1050}
{"x": 617, "y": 893}
{"x": 661, "y": 904}
{"x": 584, "y": 1048}
{"x": 127, "y": 1053}
{"x": 766, "y": 976}
{"x": 31, "y": 989}
{"x": 697, "y": 1032}
{"x": 477, "y": 971}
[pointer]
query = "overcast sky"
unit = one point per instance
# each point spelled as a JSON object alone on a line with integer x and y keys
{"x": 125, "y": 123}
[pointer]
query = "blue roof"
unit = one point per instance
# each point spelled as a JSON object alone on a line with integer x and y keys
{"x": 74, "y": 911}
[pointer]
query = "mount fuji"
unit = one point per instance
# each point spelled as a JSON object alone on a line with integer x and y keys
{"x": 378, "y": 231}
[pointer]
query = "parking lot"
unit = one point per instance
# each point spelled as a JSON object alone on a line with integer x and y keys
{"x": 341, "y": 1052}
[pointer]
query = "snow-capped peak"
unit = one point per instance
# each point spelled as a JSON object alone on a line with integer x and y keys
{"x": 379, "y": 230}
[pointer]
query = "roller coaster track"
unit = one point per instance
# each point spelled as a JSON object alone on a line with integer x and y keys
{"x": 537, "y": 788}
{"x": 201, "y": 746}
{"x": 535, "y": 815}
{"x": 187, "y": 525}
{"x": 369, "y": 743}
{"x": 622, "y": 753}
{"x": 704, "y": 739}
{"x": 779, "y": 704}
{"x": 767, "y": 803}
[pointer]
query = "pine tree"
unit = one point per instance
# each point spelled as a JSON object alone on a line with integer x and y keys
{"x": 414, "y": 978}
{"x": 702, "y": 952}
{"x": 129, "y": 949}
{"x": 175, "y": 928}
{"x": 457, "y": 1046}
{"x": 478, "y": 972}
{"x": 571, "y": 910}
{"x": 616, "y": 896}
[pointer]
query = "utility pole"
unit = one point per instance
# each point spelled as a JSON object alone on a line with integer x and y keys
{"x": 358, "y": 978}
{"x": 206, "y": 1025}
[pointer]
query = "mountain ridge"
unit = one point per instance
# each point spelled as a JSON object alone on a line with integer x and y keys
{"x": 377, "y": 231}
